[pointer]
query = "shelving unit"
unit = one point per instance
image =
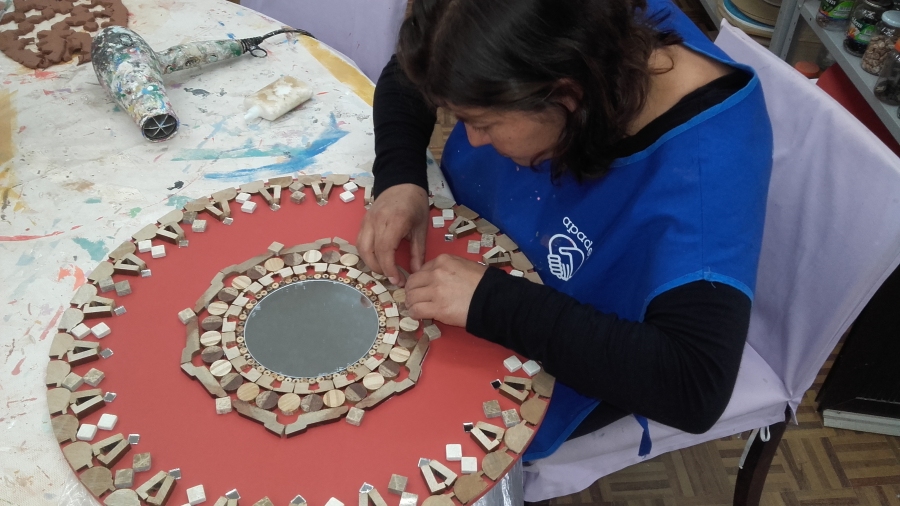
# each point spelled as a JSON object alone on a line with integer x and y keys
{"x": 711, "y": 9}
{"x": 863, "y": 81}
{"x": 786, "y": 28}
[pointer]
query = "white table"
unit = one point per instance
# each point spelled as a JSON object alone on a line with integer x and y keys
{"x": 80, "y": 180}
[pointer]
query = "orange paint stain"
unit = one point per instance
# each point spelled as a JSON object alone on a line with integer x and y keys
{"x": 43, "y": 74}
{"x": 72, "y": 272}
{"x": 52, "y": 325}
{"x": 18, "y": 368}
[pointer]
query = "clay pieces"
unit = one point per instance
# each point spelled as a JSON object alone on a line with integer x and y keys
{"x": 62, "y": 42}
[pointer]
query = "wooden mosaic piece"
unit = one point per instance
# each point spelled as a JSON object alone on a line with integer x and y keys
{"x": 124, "y": 497}
{"x": 469, "y": 487}
{"x": 98, "y": 480}
{"x": 192, "y": 342}
{"x": 267, "y": 400}
{"x": 542, "y": 384}
{"x": 336, "y": 398}
{"x": 517, "y": 437}
{"x": 307, "y": 420}
{"x": 202, "y": 374}
{"x": 495, "y": 464}
{"x": 64, "y": 427}
{"x": 110, "y": 450}
{"x": 79, "y": 455}
{"x": 311, "y": 403}
{"x": 289, "y": 403}
{"x": 438, "y": 500}
{"x": 267, "y": 418}
{"x": 69, "y": 319}
{"x": 533, "y": 410}
{"x": 57, "y": 370}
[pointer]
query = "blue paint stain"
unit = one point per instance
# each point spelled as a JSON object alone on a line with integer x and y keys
{"x": 297, "y": 157}
{"x": 221, "y": 23}
{"x": 92, "y": 200}
{"x": 177, "y": 201}
{"x": 217, "y": 127}
{"x": 96, "y": 249}
{"x": 231, "y": 36}
{"x": 25, "y": 259}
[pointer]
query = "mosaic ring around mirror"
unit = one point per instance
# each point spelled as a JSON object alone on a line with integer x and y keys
{"x": 219, "y": 329}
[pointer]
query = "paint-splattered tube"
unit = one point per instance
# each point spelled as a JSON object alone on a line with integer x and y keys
{"x": 199, "y": 53}
{"x": 129, "y": 70}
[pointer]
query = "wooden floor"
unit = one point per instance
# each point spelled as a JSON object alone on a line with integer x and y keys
{"x": 815, "y": 466}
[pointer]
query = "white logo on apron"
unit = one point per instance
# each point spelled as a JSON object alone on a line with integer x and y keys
{"x": 565, "y": 257}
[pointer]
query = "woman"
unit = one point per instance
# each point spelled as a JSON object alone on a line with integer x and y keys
{"x": 628, "y": 158}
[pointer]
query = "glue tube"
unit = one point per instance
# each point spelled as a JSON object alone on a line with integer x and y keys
{"x": 277, "y": 98}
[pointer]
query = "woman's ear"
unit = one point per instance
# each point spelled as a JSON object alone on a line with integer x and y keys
{"x": 569, "y": 103}
{"x": 568, "y": 93}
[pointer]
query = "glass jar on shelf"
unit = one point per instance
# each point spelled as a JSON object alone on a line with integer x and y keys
{"x": 834, "y": 14}
{"x": 863, "y": 19}
{"x": 887, "y": 87}
{"x": 887, "y": 31}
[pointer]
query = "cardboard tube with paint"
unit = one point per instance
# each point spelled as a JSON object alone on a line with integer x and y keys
{"x": 276, "y": 99}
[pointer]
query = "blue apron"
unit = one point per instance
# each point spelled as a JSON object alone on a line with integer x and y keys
{"x": 690, "y": 207}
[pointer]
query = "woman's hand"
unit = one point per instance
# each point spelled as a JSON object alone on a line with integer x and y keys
{"x": 442, "y": 290}
{"x": 399, "y": 212}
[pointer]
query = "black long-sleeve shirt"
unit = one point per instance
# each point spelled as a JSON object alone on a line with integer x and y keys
{"x": 677, "y": 367}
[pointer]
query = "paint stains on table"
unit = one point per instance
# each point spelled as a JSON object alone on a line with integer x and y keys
{"x": 341, "y": 70}
{"x": 96, "y": 249}
{"x": 7, "y": 125}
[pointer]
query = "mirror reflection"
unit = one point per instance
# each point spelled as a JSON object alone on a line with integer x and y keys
{"x": 311, "y": 328}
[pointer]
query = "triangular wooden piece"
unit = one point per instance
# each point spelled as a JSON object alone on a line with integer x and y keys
{"x": 171, "y": 232}
{"x": 110, "y": 450}
{"x": 151, "y": 485}
{"x": 126, "y": 248}
{"x": 130, "y": 264}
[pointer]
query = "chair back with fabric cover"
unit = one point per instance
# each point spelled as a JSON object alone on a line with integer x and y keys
{"x": 363, "y": 30}
{"x": 832, "y": 236}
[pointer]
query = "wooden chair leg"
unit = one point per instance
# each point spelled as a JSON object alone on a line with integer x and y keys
{"x": 752, "y": 477}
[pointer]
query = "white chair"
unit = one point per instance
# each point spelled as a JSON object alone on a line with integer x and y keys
{"x": 363, "y": 30}
{"x": 832, "y": 236}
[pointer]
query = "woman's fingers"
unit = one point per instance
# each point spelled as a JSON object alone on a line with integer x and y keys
{"x": 385, "y": 247}
{"x": 400, "y": 211}
{"x": 443, "y": 289}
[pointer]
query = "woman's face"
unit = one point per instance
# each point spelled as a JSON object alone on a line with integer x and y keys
{"x": 518, "y": 135}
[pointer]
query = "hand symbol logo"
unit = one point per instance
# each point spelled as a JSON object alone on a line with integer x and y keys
{"x": 565, "y": 258}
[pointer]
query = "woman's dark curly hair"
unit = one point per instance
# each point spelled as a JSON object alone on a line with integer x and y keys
{"x": 532, "y": 55}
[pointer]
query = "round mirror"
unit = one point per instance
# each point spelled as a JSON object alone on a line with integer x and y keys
{"x": 311, "y": 328}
